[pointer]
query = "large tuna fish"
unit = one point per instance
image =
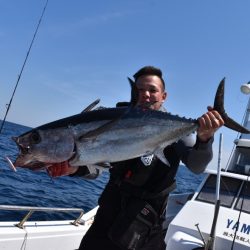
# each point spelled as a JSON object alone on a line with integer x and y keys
{"x": 108, "y": 135}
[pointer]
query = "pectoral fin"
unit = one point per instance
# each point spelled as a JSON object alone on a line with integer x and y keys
{"x": 96, "y": 132}
{"x": 104, "y": 128}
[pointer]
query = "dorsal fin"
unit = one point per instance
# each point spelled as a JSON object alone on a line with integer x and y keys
{"x": 91, "y": 106}
{"x": 134, "y": 92}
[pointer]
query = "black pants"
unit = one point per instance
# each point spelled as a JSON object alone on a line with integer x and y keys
{"x": 95, "y": 239}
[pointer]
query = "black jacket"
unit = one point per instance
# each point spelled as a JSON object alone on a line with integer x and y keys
{"x": 144, "y": 179}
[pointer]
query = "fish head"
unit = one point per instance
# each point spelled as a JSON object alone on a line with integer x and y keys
{"x": 44, "y": 147}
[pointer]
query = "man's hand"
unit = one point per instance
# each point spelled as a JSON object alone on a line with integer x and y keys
{"x": 209, "y": 123}
{"x": 61, "y": 169}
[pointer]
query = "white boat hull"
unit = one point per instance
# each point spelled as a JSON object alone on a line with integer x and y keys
{"x": 183, "y": 233}
{"x": 49, "y": 235}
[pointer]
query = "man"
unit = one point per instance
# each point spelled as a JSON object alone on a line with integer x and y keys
{"x": 132, "y": 205}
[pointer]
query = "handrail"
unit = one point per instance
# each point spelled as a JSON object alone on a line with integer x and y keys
{"x": 31, "y": 210}
{"x": 228, "y": 174}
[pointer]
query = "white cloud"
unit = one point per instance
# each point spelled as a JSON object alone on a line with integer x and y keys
{"x": 90, "y": 21}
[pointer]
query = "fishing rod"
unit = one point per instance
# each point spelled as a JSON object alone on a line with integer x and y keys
{"x": 8, "y": 105}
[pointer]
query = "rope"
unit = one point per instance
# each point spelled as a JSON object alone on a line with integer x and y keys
{"x": 25, "y": 239}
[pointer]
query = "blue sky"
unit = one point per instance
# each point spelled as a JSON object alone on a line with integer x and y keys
{"x": 85, "y": 50}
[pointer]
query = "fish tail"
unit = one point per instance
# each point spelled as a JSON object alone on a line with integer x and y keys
{"x": 219, "y": 106}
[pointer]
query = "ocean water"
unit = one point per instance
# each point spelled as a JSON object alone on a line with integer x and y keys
{"x": 29, "y": 188}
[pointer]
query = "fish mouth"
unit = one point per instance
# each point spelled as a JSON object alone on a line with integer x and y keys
{"x": 22, "y": 157}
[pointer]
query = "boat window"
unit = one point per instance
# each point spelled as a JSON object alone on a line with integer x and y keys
{"x": 245, "y": 197}
{"x": 228, "y": 190}
{"x": 242, "y": 161}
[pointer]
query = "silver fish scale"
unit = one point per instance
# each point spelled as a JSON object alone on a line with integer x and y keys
{"x": 137, "y": 112}
{"x": 132, "y": 136}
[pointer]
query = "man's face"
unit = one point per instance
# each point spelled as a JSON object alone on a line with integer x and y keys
{"x": 150, "y": 91}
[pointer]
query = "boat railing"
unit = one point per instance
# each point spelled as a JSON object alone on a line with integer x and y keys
{"x": 229, "y": 174}
{"x": 31, "y": 210}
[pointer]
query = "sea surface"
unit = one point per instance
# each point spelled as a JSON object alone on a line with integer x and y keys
{"x": 29, "y": 188}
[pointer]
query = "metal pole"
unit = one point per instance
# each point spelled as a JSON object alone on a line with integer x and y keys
{"x": 211, "y": 240}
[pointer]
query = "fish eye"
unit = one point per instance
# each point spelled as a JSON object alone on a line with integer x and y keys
{"x": 35, "y": 137}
